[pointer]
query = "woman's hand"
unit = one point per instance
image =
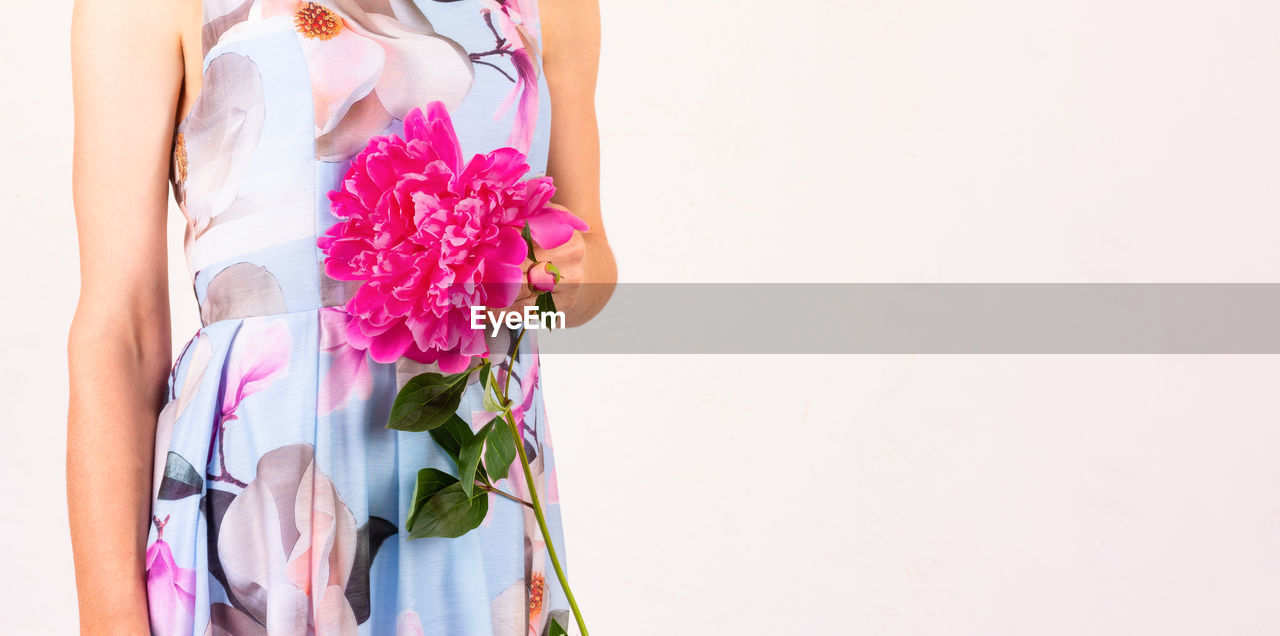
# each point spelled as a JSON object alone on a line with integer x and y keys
{"x": 568, "y": 260}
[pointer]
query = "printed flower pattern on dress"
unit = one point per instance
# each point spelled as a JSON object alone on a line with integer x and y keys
{"x": 278, "y": 491}
{"x": 171, "y": 589}
{"x": 296, "y": 583}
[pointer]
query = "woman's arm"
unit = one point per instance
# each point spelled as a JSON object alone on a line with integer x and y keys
{"x": 126, "y": 64}
{"x": 570, "y": 59}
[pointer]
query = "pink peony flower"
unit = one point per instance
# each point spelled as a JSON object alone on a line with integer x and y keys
{"x": 431, "y": 237}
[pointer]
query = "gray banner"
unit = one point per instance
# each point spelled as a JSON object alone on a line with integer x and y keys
{"x": 931, "y": 318}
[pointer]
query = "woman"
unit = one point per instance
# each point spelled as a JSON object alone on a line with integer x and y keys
{"x": 251, "y": 486}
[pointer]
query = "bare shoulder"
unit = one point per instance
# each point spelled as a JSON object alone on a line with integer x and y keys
{"x": 127, "y": 64}
{"x": 126, "y": 70}
{"x": 120, "y": 22}
{"x": 570, "y": 32}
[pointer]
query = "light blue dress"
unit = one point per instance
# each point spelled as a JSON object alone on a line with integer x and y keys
{"x": 279, "y": 497}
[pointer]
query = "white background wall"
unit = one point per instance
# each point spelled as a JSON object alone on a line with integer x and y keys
{"x": 1127, "y": 140}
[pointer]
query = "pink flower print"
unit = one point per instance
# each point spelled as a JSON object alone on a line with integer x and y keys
{"x": 171, "y": 590}
{"x": 527, "y": 109}
{"x": 527, "y": 384}
{"x": 553, "y": 488}
{"x": 517, "y": 24}
{"x": 259, "y": 356}
{"x": 348, "y": 367}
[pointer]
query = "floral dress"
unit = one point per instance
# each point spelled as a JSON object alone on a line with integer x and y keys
{"x": 279, "y": 496}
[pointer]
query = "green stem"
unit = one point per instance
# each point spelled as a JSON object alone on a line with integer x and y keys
{"x": 533, "y": 489}
{"x": 499, "y": 492}
{"x": 542, "y": 522}
{"x": 511, "y": 370}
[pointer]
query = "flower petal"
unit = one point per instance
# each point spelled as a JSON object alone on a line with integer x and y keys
{"x": 390, "y": 345}
{"x": 554, "y": 227}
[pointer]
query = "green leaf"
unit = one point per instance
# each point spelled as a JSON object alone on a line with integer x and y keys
{"x": 528, "y": 239}
{"x": 484, "y": 373}
{"x": 546, "y": 305}
{"x": 453, "y": 436}
{"x": 449, "y": 513}
{"x": 492, "y": 401}
{"x": 430, "y": 482}
{"x": 427, "y": 401}
{"x": 556, "y": 629}
{"x": 469, "y": 459}
{"x": 501, "y": 449}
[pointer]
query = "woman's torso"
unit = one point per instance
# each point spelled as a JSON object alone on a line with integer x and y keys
{"x": 290, "y": 91}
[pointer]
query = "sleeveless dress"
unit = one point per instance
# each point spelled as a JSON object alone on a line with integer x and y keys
{"x": 279, "y": 498}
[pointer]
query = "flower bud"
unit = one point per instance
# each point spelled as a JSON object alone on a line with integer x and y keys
{"x": 543, "y": 277}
